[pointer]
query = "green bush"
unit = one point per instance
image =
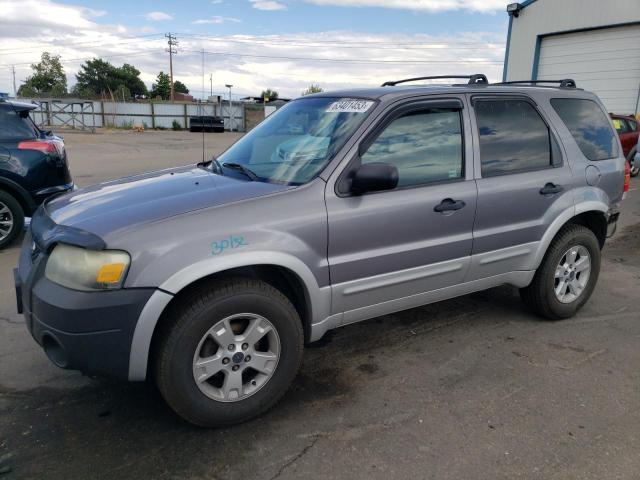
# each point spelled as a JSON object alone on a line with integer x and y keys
{"x": 175, "y": 125}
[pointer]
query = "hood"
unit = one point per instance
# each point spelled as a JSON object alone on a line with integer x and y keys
{"x": 108, "y": 207}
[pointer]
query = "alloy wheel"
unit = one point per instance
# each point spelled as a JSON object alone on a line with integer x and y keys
{"x": 236, "y": 357}
{"x": 6, "y": 221}
{"x": 572, "y": 274}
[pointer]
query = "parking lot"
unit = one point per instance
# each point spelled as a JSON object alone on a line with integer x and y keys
{"x": 471, "y": 388}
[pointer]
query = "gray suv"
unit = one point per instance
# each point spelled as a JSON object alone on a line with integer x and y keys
{"x": 340, "y": 207}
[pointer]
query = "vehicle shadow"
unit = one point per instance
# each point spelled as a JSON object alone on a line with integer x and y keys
{"x": 111, "y": 428}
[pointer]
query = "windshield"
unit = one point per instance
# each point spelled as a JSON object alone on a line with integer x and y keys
{"x": 296, "y": 142}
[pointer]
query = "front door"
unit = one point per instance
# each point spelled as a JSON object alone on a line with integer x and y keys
{"x": 391, "y": 245}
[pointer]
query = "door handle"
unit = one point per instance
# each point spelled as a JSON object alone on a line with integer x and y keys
{"x": 449, "y": 205}
{"x": 551, "y": 189}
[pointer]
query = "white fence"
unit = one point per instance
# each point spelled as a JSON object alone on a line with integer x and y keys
{"x": 87, "y": 114}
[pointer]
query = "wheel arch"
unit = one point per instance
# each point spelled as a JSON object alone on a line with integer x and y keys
{"x": 19, "y": 193}
{"x": 591, "y": 214}
{"x": 284, "y": 272}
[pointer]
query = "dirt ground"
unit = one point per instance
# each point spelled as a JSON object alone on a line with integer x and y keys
{"x": 471, "y": 388}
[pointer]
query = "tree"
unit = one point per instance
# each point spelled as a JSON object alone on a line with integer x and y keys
{"x": 312, "y": 89}
{"x": 130, "y": 78}
{"x": 162, "y": 87}
{"x": 269, "y": 95}
{"x": 48, "y": 78}
{"x": 99, "y": 77}
{"x": 180, "y": 87}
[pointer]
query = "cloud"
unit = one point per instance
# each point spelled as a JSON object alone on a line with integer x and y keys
{"x": 269, "y": 5}
{"x": 158, "y": 16}
{"x": 215, "y": 20}
{"x": 44, "y": 13}
{"x": 421, "y": 5}
{"x": 287, "y": 63}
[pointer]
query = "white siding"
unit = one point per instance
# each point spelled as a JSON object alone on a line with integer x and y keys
{"x": 551, "y": 19}
{"x": 606, "y": 62}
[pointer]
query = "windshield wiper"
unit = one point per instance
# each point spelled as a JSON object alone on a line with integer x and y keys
{"x": 215, "y": 165}
{"x": 241, "y": 168}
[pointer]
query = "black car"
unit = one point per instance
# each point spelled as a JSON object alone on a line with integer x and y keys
{"x": 207, "y": 123}
{"x": 33, "y": 167}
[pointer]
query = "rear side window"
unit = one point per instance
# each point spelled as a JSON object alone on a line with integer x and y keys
{"x": 13, "y": 127}
{"x": 513, "y": 137}
{"x": 589, "y": 126}
{"x": 424, "y": 145}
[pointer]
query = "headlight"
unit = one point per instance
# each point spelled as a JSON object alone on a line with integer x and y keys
{"x": 81, "y": 269}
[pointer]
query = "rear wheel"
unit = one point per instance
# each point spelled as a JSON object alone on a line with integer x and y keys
{"x": 567, "y": 276}
{"x": 229, "y": 352}
{"x": 11, "y": 219}
{"x": 635, "y": 167}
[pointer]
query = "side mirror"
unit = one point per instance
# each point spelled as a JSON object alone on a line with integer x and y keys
{"x": 374, "y": 177}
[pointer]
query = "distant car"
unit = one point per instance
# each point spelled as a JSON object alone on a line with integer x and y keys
{"x": 33, "y": 167}
{"x": 199, "y": 123}
{"x": 628, "y": 129}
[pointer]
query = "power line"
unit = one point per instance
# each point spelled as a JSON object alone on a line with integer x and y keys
{"x": 106, "y": 57}
{"x": 349, "y": 60}
{"x": 121, "y": 41}
{"x": 353, "y": 45}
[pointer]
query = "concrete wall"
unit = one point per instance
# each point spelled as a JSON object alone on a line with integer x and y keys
{"x": 75, "y": 113}
{"x": 551, "y": 16}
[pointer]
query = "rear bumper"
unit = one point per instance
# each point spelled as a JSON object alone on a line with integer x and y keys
{"x": 86, "y": 331}
{"x": 45, "y": 193}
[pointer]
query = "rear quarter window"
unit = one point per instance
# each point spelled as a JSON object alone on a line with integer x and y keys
{"x": 13, "y": 127}
{"x": 589, "y": 126}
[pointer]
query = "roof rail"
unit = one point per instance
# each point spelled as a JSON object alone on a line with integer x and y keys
{"x": 564, "y": 83}
{"x": 475, "y": 79}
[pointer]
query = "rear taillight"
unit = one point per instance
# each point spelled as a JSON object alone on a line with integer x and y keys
{"x": 627, "y": 177}
{"x": 44, "y": 146}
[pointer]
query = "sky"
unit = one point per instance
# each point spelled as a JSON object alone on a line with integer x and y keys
{"x": 284, "y": 45}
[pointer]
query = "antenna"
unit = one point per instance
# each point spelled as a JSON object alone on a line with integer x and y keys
{"x": 202, "y": 106}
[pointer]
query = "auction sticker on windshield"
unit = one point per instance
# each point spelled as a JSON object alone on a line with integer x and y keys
{"x": 349, "y": 106}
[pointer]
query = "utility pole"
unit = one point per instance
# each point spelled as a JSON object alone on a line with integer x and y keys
{"x": 211, "y": 84}
{"x": 15, "y": 90}
{"x": 229, "y": 86}
{"x": 173, "y": 42}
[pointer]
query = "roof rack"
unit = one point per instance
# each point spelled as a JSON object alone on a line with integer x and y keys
{"x": 475, "y": 79}
{"x": 564, "y": 83}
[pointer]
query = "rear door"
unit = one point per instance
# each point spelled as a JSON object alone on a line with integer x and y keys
{"x": 387, "y": 247}
{"x": 523, "y": 183}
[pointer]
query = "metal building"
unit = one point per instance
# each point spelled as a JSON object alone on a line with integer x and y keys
{"x": 595, "y": 42}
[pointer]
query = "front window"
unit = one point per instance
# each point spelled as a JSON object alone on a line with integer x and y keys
{"x": 294, "y": 144}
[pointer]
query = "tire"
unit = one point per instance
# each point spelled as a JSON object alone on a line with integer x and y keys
{"x": 181, "y": 344}
{"x": 541, "y": 295}
{"x": 635, "y": 169}
{"x": 10, "y": 211}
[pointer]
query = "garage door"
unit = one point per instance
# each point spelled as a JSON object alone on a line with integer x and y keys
{"x": 605, "y": 61}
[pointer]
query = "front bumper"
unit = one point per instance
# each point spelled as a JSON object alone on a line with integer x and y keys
{"x": 87, "y": 331}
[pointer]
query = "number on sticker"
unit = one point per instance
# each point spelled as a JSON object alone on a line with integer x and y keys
{"x": 349, "y": 106}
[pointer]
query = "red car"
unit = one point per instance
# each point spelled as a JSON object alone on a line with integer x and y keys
{"x": 628, "y": 129}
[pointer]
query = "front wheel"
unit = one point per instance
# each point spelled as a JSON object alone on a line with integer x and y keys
{"x": 11, "y": 219}
{"x": 228, "y": 352}
{"x": 567, "y": 276}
